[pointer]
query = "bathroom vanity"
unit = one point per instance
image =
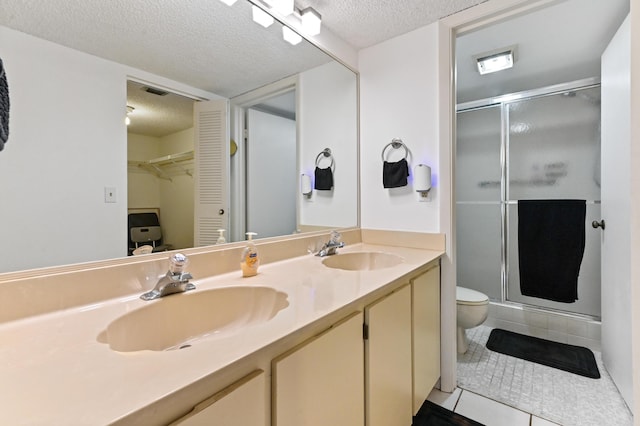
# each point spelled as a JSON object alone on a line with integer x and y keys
{"x": 307, "y": 341}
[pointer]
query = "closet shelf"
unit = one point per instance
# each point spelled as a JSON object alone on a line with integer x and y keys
{"x": 160, "y": 166}
{"x": 172, "y": 158}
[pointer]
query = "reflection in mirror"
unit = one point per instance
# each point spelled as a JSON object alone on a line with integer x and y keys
{"x": 160, "y": 156}
{"x": 66, "y": 187}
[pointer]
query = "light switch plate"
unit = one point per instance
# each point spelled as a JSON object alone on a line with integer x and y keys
{"x": 109, "y": 194}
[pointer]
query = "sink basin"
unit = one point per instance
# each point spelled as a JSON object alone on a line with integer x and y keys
{"x": 176, "y": 320}
{"x": 362, "y": 261}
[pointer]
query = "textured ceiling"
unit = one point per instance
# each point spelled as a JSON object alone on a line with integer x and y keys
{"x": 214, "y": 47}
{"x": 557, "y": 44}
{"x": 207, "y": 44}
{"x": 203, "y": 43}
{"x": 155, "y": 115}
{"x": 364, "y": 23}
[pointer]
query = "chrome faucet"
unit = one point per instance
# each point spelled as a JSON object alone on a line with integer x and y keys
{"x": 332, "y": 245}
{"x": 175, "y": 280}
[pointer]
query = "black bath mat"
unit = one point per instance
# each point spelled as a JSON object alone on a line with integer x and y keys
{"x": 574, "y": 359}
{"x": 431, "y": 414}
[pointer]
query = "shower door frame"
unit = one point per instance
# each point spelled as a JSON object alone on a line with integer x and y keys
{"x": 503, "y": 102}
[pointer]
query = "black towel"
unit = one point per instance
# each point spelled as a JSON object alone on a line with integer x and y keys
{"x": 394, "y": 175}
{"x": 324, "y": 179}
{"x": 4, "y": 107}
{"x": 551, "y": 238}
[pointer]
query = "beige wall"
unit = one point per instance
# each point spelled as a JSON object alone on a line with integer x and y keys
{"x": 176, "y": 197}
{"x": 142, "y": 187}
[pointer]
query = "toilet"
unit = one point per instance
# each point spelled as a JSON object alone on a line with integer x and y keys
{"x": 472, "y": 310}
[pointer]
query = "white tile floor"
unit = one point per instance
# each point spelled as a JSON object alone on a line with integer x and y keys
{"x": 496, "y": 390}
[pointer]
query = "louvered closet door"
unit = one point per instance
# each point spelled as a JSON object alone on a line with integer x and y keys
{"x": 212, "y": 171}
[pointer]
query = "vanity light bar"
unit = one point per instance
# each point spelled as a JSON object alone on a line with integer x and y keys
{"x": 310, "y": 19}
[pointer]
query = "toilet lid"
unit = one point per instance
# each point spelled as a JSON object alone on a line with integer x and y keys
{"x": 467, "y": 296}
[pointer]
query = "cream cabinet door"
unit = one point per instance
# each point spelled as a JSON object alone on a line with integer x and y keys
{"x": 388, "y": 360}
{"x": 241, "y": 404}
{"x": 426, "y": 334}
{"x": 320, "y": 382}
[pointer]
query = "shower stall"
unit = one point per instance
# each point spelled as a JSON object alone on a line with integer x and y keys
{"x": 539, "y": 144}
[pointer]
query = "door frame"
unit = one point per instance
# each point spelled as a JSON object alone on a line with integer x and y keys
{"x": 502, "y": 102}
{"x": 448, "y": 29}
{"x": 237, "y": 181}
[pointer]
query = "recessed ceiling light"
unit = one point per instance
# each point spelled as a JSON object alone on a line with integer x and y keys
{"x": 496, "y": 60}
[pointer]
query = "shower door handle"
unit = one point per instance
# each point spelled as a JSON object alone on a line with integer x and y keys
{"x": 597, "y": 224}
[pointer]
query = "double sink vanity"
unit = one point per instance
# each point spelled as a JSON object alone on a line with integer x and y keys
{"x": 350, "y": 338}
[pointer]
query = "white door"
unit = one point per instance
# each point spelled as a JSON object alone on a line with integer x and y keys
{"x": 211, "y": 177}
{"x": 271, "y": 176}
{"x": 616, "y": 194}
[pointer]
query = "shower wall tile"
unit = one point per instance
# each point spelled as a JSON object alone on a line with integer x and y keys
{"x": 511, "y": 326}
{"x": 517, "y": 315}
{"x": 577, "y": 327}
{"x": 558, "y": 323}
{"x": 491, "y": 321}
{"x": 556, "y": 327}
{"x": 594, "y": 331}
{"x": 536, "y": 319}
{"x": 558, "y": 336}
{"x": 594, "y": 345}
{"x": 500, "y": 312}
{"x": 542, "y": 333}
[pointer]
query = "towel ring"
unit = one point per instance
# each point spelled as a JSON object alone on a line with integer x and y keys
{"x": 396, "y": 143}
{"x": 326, "y": 153}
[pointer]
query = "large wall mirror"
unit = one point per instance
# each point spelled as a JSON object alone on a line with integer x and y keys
{"x": 72, "y": 170}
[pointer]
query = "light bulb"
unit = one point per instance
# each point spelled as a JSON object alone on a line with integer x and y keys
{"x": 291, "y": 36}
{"x": 261, "y": 17}
{"x": 311, "y": 21}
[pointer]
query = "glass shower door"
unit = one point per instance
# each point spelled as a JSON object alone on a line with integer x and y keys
{"x": 478, "y": 201}
{"x": 553, "y": 152}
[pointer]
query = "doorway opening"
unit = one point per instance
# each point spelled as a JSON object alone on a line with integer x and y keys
{"x": 264, "y": 170}
{"x": 271, "y": 166}
{"x": 160, "y": 154}
{"x": 541, "y": 144}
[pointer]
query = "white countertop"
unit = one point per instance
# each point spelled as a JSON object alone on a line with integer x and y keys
{"x": 55, "y": 371}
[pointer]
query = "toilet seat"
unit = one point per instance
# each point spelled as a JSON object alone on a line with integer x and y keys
{"x": 467, "y": 296}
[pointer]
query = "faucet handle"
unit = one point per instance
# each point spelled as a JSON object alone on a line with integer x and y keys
{"x": 335, "y": 237}
{"x": 177, "y": 263}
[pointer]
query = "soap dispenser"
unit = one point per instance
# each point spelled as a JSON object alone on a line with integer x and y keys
{"x": 250, "y": 261}
{"x": 221, "y": 239}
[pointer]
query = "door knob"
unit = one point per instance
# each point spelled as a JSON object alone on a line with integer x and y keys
{"x": 597, "y": 224}
{"x": 221, "y": 212}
